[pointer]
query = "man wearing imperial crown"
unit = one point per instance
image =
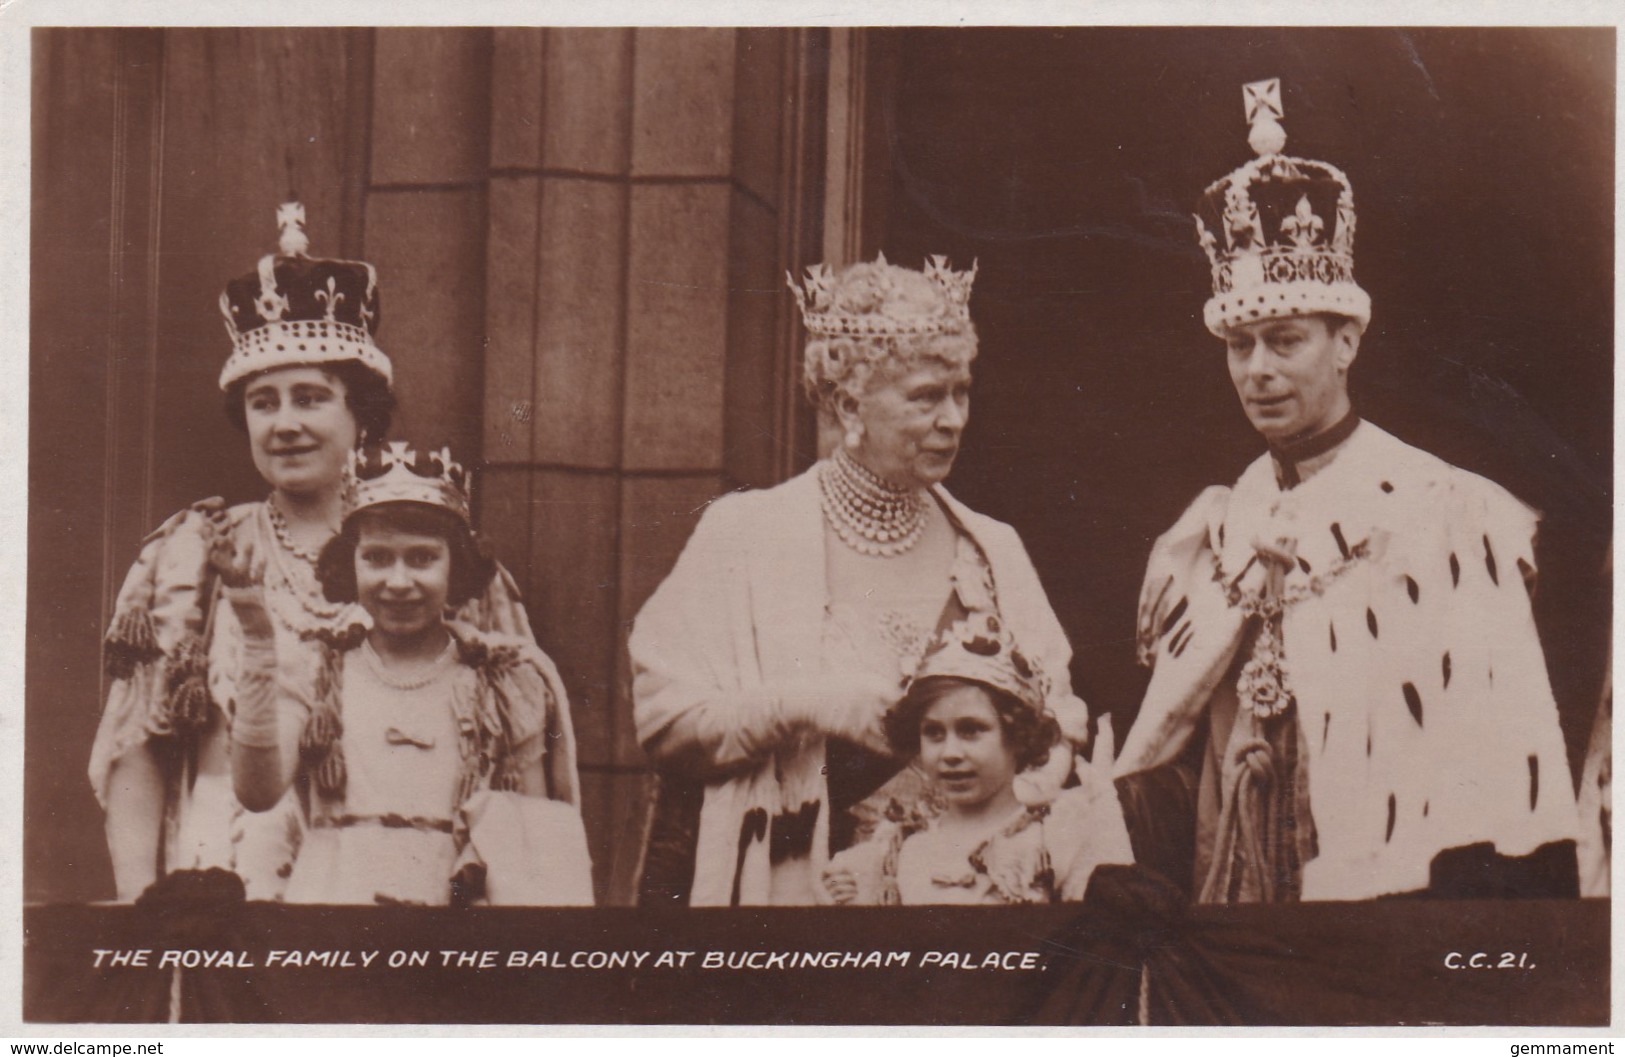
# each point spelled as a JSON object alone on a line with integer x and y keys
{"x": 1350, "y": 621}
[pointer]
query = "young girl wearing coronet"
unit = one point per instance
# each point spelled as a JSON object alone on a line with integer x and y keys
{"x": 427, "y": 751}
{"x": 974, "y": 716}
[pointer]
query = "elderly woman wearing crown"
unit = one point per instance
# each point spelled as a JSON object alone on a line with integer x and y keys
{"x": 765, "y": 662}
{"x": 307, "y": 384}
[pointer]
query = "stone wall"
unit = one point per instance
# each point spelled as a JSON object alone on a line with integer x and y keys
{"x": 581, "y": 237}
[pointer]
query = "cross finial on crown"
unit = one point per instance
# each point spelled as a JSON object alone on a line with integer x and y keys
{"x": 956, "y": 286}
{"x": 815, "y": 295}
{"x": 290, "y": 221}
{"x": 1262, "y": 101}
{"x": 395, "y": 473}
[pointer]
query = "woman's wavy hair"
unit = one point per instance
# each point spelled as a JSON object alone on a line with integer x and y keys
{"x": 366, "y": 393}
{"x": 1029, "y": 734}
{"x": 472, "y": 569}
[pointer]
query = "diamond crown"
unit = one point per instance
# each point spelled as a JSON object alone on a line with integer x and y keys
{"x": 1278, "y": 232}
{"x": 819, "y": 298}
{"x": 294, "y": 309}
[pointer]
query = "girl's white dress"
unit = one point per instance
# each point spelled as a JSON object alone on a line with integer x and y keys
{"x": 400, "y": 779}
{"x": 390, "y": 837}
{"x": 1041, "y": 854}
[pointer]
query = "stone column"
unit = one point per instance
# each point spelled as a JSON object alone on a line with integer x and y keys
{"x": 637, "y": 235}
{"x": 426, "y": 224}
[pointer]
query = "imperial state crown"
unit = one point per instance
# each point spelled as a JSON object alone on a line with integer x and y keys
{"x": 1279, "y": 231}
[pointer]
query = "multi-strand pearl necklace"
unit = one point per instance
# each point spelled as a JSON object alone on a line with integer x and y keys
{"x": 284, "y": 535}
{"x": 869, "y": 513}
{"x": 295, "y": 568}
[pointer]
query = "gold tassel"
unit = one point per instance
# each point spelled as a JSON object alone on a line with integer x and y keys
{"x": 321, "y": 733}
{"x": 320, "y": 746}
{"x": 130, "y": 642}
{"x": 187, "y": 702}
{"x": 321, "y": 742}
{"x": 330, "y": 774}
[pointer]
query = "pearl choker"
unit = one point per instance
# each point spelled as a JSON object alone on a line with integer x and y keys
{"x": 870, "y": 514}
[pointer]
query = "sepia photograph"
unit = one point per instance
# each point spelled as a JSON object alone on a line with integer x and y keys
{"x": 792, "y": 526}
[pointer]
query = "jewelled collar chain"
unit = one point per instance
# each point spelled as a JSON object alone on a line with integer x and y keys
{"x": 1266, "y": 604}
{"x": 870, "y": 514}
{"x": 1264, "y": 684}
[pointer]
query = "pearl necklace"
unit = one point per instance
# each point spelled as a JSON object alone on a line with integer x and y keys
{"x": 869, "y": 513}
{"x": 284, "y": 535}
{"x": 296, "y": 573}
{"x": 418, "y": 678}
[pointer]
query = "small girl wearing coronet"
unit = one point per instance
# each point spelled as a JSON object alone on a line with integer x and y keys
{"x": 426, "y": 751}
{"x": 974, "y": 716}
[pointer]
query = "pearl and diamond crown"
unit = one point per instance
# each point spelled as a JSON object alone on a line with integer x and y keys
{"x": 394, "y": 473}
{"x": 980, "y": 648}
{"x": 1279, "y": 231}
{"x": 296, "y": 310}
{"x": 849, "y": 304}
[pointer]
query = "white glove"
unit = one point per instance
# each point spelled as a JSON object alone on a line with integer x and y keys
{"x": 846, "y": 705}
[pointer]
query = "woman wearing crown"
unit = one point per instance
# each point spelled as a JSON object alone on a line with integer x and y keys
{"x": 438, "y": 760}
{"x": 763, "y": 664}
{"x": 307, "y": 384}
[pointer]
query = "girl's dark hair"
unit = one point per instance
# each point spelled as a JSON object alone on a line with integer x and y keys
{"x": 366, "y": 394}
{"x": 1029, "y": 734}
{"x": 471, "y": 568}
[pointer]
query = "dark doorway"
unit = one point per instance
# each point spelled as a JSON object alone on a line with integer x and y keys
{"x": 1068, "y": 162}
